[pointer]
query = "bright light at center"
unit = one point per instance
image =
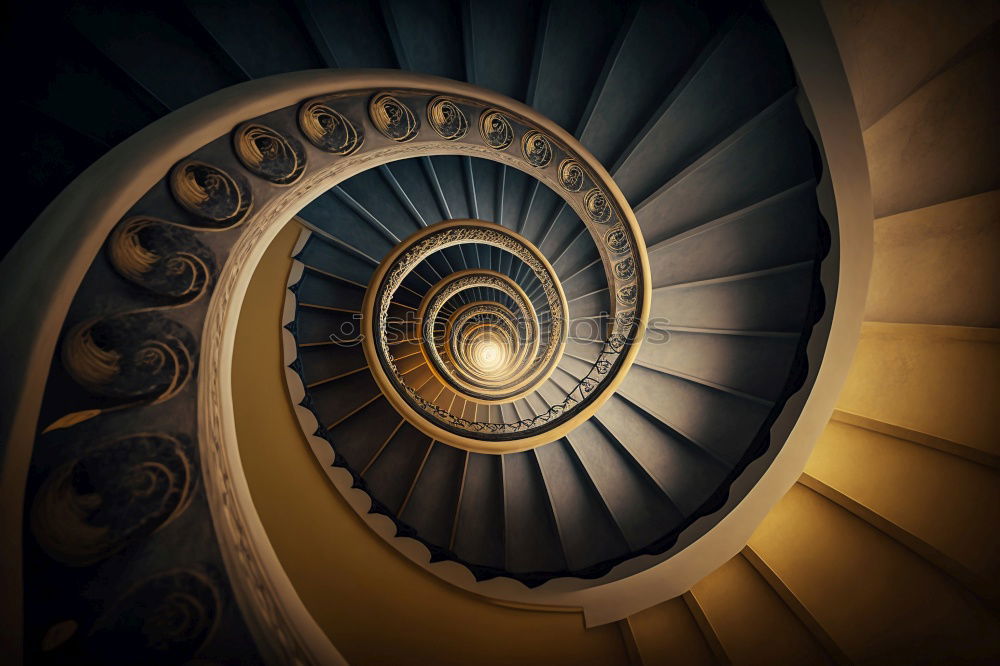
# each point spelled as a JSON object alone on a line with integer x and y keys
{"x": 488, "y": 355}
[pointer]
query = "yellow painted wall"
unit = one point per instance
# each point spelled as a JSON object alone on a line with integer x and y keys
{"x": 376, "y": 606}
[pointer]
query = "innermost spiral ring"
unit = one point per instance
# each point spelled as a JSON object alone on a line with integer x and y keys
{"x": 483, "y": 373}
{"x": 530, "y": 362}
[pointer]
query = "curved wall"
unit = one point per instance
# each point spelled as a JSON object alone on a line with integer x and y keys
{"x": 373, "y": 603}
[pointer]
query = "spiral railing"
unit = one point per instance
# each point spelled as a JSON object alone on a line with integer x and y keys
{"x": 521, "y": 343}
{"x": 533, "y": 344}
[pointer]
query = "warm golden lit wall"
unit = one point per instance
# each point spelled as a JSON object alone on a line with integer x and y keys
{"x": 376, "y": 606}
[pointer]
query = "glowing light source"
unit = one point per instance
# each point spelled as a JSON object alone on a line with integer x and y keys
{"x": 488, "y": 355}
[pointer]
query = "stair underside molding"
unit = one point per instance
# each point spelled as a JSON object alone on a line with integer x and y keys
{"x": 75, "y": 226}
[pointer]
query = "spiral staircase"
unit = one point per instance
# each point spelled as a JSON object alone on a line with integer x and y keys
{"x": 553, "y": 359}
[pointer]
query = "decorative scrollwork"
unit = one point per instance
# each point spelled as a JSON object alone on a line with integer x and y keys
{"x": 624, "y": 319}
{"x": 447, "y": 119}
{"x": 571, "y": 175}
{"x": 268, "y": 153}
{"x": 617, "y": 240}
{"x": 134, "y": 356}
{"x": 163, "y": 257}
{"x": 92, "y": 506}
{"x": 164, "y": 619}
{"x": 597, "y": 206}
{"x": 328, "y": 129}
{"x": 393, "y": 118}
{"x": 536, "y": 148}
{"x": 627, "y": 295}
{"x": 496, "y": 129}
{"x": 209, "y": 192}
{"x": 625, "y": 269}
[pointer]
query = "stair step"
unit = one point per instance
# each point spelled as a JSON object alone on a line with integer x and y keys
{"x": 589, "y": 535}
{"x": 667, "y": 633}
{"x": 331, "y": 215}
{"x": 355, "y": 33}
{"x": 413, "y": 27}
{"x": 766, "y": 156}
{"x": 826, "y": 556}
{"x": 479, "y": 532}
{"x": 746, "y": 615}
{"x": 319, "y": 325}
{"x": 742, "y": 70}
{"x": 390, "y": 476}
{"x": 321, "y": 255}
{"x": 86, "y": 73}
{"x": 757, "y": 366}
{"x": 771, "y": 232}
{"x": 532, "y": 539}
{"x": 950, "y": 377}
{"x": 359, "y": 437}
{"x": 775, "y": 302}
{"x": 336, "y": 400}
{"x": 319, "y": 289}
{"x": 684, "y": 472}
{"x": 899, "y": 432}
{"x": 370, "y": 197}
{"x": 571, "y": 58}
{"x": 933, "y": 265}
{"x": 113, "y": 30}
{"x": 641, "y": 510}
{"x": 587, "y": 282}
{"x": 263, "y": 40}
{"x": 638, "y": 68}
{"x": 686, "y": 406}
{"x": 431, "y": 507}
{"x": 947, "y": 116}
{"x": 939, "y": 505}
